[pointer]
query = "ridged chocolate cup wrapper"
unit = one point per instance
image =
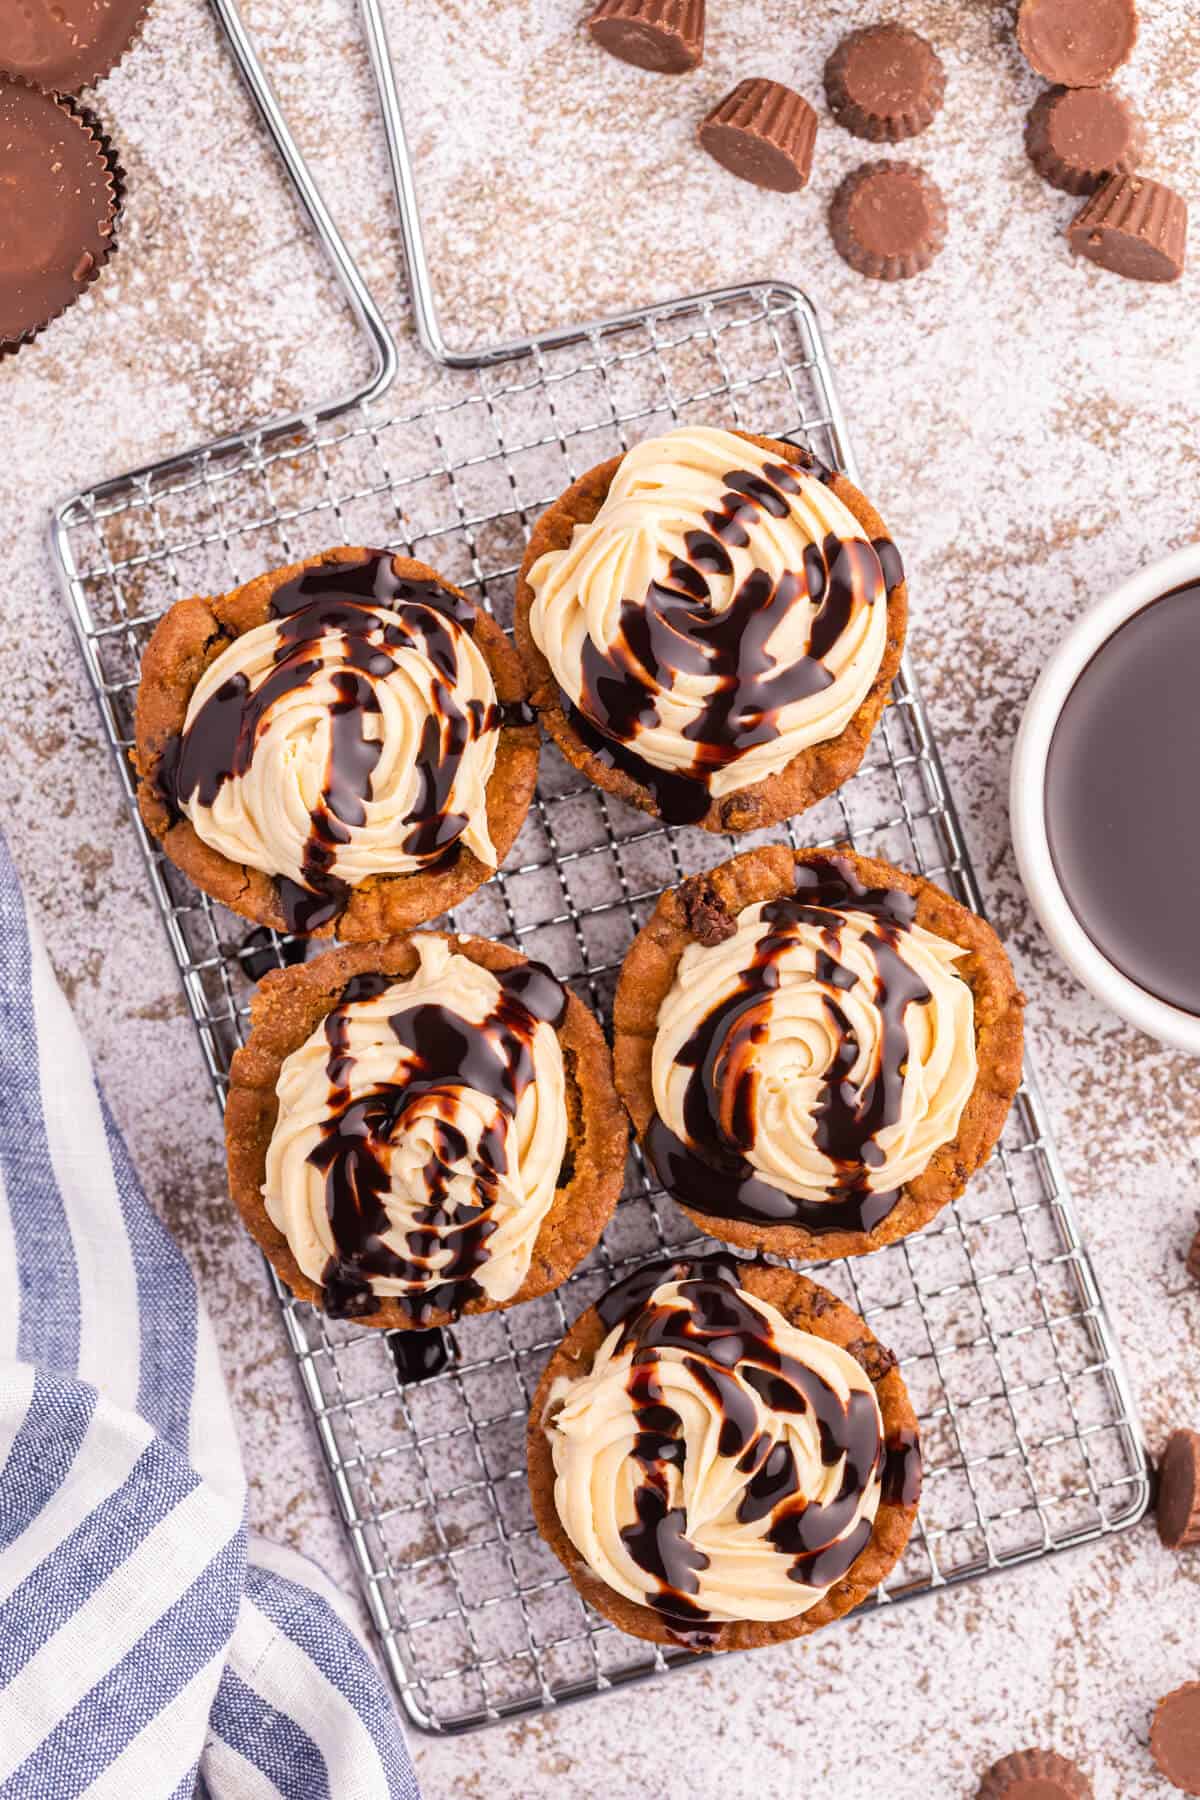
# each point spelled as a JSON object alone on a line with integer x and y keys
{"x": 67, "y": 47}
{"x": 1035, "y": 1775}
{"x": 888, "y": 220}
{"x": 885, "y": 83}
{"x": 1134, "y": 227}
{"x": 1177, "y": 1507}
{"x": 1080, "y": 43}
{"x": 664, "y": 36}
{"x": 1077, "y": 136}
{"x": 38, "y": 286}
{"x": 763, "y": 133}
{"x": 1175, "y": 1737}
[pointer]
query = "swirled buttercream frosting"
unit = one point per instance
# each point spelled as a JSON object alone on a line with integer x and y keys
{"x": 810, "y": 1064}
{"x": 420, "y": 1133}
{"x": 722, "y": 612}
{"x": 716, "y": 1462}
{"x": 353, "y": 734}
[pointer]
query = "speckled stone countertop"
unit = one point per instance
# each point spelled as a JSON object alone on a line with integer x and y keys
{"x": 1029, "y": 426}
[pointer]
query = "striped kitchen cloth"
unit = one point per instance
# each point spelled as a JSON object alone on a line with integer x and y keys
{"x": 148, "y": 1647}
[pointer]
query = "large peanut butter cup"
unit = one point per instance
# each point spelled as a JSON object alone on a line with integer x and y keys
{"x": 66, "y": 45}
{"x": 612, "y": 760}
{"x": 818, "y": 1182}
{"x": 62, "y": 188}
{"x": 426, "y": 1072}
{"x": 181, "y": 763}
{"x": 745, "y": 1371}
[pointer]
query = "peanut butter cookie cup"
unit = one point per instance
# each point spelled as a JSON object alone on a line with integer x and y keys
{"x": 343, "y": 744}
{"x": 711, "y": 624}
{"x": 817, "y": 1049}
{"x": 423, "y": 1128}
{"x": 723, "y": 1455}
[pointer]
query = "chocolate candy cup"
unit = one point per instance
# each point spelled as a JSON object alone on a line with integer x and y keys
{"x": 1077, "y": 136}
{"x": 69, "y": 45}
{"x": 1133, "y": 226}
{"x": 665, "y": 36}
{"x": 1178, "y": 1505}
{"x": 1175, "y": 1737}
{"x": 763, "y": 133}
{"x": 1193, "y": 1258}
{"x": 63, "y": 187}
{"x": 888, "y": 220}
{"x": 1080, "y": 43}
{"x": 884, "y": 83}
{"x": 1035, "y": 1775}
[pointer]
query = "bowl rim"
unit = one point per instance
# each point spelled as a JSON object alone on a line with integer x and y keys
{"x": 1027, "y": 800}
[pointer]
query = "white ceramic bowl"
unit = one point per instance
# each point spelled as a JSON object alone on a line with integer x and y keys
{"x": 1027, "y": 802}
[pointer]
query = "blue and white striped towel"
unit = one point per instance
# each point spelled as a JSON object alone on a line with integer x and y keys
{"x": 147, "y": 1647}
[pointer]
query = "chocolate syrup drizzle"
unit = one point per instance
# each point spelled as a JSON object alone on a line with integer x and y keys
{"x": 420, "y": 1355}
{"x": 674, "y": 629}
{"x": 445, "y": 1054}
{"x": 260, "y": 952}
{"x": 342, "y": 598}
{"x": 728, "y": 1348}
{"x": 710, "y": 1172}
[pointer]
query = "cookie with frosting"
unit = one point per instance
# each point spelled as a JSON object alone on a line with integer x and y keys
{"x": 723, "y": 1455}
{"x": 711, "y": 625}
{"x": 422, "y": 1128}
{"x": 343, "y": 744}
{"x": 817, "y": 1049}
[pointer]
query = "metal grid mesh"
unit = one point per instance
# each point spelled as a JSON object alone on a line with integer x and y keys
{"x": 1030, "y": 1438}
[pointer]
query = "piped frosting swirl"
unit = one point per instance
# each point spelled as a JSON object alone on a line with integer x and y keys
{"x": 420, "y": 1134}
{"x": 812, "y": 1063}
{"x": 353, "y": 734}
{"x": 716, "y": 1463}
{"x": 722, "y": 612}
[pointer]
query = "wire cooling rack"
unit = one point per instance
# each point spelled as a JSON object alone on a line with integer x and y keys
{"x": 1030, "y": 1433}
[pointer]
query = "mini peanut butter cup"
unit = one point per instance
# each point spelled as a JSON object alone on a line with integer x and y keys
{"x": 66, "y": 45}
{"x": 1080, "y": 43}
{"x": 763, "y": 133}
{"x": 1175, "y": 1737}
{"x": 885, "y": 83}
{"x": 1134, "y": 227}
{"x": 1077, "y": 136}
{"x": 62, "y": 185}
{"x": 1178, "y": 1505}
{"x": 888, "y": 220}
{"x": 665, "y": 36}
{"x": 1193, "y": 1258}
{"x": 1035, "y": 1775}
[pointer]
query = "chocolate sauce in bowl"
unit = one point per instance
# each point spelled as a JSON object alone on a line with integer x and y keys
{"x": 1121, "y": 798}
